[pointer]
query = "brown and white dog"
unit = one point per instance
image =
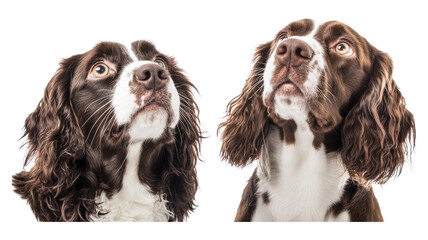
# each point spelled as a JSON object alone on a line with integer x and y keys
{"x": 115, "y": 138}
{"x": 322, "y": 114}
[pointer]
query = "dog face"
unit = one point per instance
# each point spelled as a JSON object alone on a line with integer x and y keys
{"x": 124, "y": 94}
{"x": 318, "y": 69}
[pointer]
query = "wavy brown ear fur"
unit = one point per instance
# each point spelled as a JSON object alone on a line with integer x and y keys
{"x": 54, "y": 187}
{"x": 376, "y": 129}
{"x": 175, "y": 155}
{"x": 246, "y": 123}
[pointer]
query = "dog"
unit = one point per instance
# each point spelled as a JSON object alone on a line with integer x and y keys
{"x": 115, "y": 138}
{"x": 323, "y": 116}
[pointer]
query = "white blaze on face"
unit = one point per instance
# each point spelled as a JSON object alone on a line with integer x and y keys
{"x": 148, "y": 124}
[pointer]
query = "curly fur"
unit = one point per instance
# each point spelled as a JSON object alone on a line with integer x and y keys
{"x": 246, "y": 117}
{"x": 175, "y": 159}
{"x": 375, "y": 130}
{"x": 369, "y": 125}
{"x": 58, "y": 187}
{"x": 70, "y": 172}
{"x": 355, "y": 112}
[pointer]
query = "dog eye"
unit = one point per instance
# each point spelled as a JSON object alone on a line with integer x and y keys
{"x": 283, "y": 36}
{"x": 344, "y": 48}
{"x": 100, "y": 70}
{"x": 161, "y": 63}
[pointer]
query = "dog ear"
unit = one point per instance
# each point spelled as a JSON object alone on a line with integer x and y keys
{"x": 57, "y": 144}
{"x": 247, "y": 118}
{"x": 375, "y": 130}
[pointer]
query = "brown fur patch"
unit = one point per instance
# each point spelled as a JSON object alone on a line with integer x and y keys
{"x": 288, "y": 128}
{"x": 247, "y": 122}
{"x": 265, "y": 197}
{"x": 360, "y": 202}
{"x": 249, "y": 200}
{"x": 318, "y": 140}
{"x": 298, "y": 28}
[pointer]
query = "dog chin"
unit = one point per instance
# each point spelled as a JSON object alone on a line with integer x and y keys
{"x": 148, "y": 125}
{"x": 290, "y": 107}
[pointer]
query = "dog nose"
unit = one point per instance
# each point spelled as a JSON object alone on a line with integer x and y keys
{"x": 151, "y": 76}
{"x": 294, "y": 51}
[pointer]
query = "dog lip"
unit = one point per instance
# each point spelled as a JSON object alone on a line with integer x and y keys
{"x": 289, "y": 81}
{"x": 117, "y": 131}
{"x": 151, "y": 101}
{"x": 286, "y": 81}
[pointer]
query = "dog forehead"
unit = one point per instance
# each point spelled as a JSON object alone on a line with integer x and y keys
{"x": 332, "y": 30}
{"x": 320, "y": 30}
{"x": 300, "y": 28}
{"x": 143, "y": 50}
{"x": 122, "y": 52}
{"x": 112, "y": 51}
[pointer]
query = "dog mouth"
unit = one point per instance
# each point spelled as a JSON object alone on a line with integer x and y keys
{"x": 289, "y": 87}
{"x": 152, "y": 104}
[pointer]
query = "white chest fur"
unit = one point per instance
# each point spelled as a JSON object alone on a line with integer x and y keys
{"x": 133, "y": 202}
{"x": 302, "y": 182}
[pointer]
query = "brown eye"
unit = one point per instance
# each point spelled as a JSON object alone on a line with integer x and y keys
{"x": 344, "y": 49}
{"x": 100, "y": 70}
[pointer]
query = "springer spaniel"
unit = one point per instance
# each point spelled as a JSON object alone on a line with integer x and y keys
{"x": 115, "y": 138}
{"x": 322, "y": 114}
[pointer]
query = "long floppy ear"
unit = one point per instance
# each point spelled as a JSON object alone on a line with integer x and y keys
{"x": 246, "y": 123}
{"x": 375, "y": 131}
{"x": 175, "y": 155}
{"x": 56, "y": 143}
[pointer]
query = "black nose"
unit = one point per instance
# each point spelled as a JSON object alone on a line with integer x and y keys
{"x": 151, "y": 76}
{"x": 294, "y": 51}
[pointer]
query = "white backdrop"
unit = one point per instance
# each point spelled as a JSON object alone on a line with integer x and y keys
{"x": 214, "y": 43}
